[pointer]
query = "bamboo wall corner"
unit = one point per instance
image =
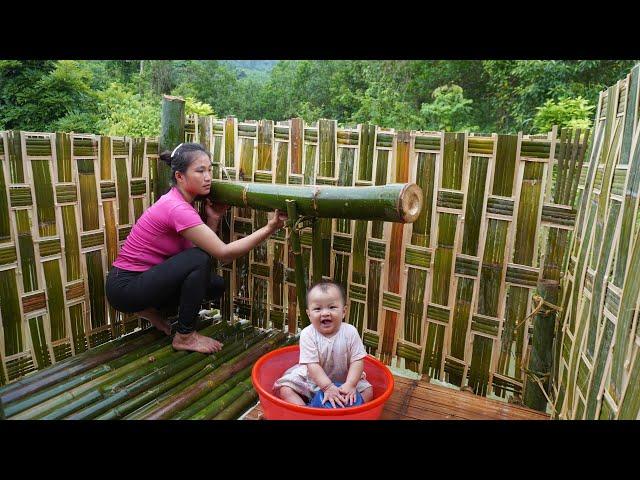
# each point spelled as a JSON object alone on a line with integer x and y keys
{"x": 598, "y": 372}
{"x": 441, "y": 296}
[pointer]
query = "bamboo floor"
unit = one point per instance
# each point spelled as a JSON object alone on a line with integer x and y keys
{"x": 421, "y": 400}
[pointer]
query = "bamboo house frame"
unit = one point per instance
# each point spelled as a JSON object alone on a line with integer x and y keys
{"x": 452, "y": 296}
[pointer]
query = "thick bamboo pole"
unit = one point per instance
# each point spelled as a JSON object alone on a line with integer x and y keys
{"x": 171, "y": 135}
{"x": 396, "y": 202}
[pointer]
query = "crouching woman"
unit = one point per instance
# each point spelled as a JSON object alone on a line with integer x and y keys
{"x": 165, "y": 261}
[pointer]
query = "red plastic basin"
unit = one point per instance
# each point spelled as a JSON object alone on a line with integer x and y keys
{"x": 272, "y": 366}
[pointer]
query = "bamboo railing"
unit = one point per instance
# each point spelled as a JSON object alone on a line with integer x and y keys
{"x": 441, "y": 296}
{"x": 598, "y": 367}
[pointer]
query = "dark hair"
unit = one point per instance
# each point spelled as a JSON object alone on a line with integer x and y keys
{"x": 182, "y": 157}
{"x": 324, "y": 285}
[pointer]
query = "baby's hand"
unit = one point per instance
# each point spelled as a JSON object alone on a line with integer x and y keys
{"x": 332, "y": 394}
{"x": 348, "y": 393}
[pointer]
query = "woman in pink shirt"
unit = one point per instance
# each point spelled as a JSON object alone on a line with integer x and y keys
{"x": 166, "y": 259}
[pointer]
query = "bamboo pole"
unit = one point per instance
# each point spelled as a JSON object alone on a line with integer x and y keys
{"x": 171, "y": 135}
{"x": 301, "y": 283}
{"x": 192, "y": 394}
{"x": 397, "y": 202}
{"x": 233, "y": 411}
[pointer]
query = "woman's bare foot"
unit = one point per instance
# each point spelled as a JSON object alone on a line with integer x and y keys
{"x": 156, "y": 319}
{"x": 194, "y": 342}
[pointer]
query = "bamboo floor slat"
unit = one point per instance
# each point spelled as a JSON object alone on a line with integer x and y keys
{"x": 421, "y": 400}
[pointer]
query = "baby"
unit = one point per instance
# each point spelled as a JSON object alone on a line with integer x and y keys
{"x": 330, "y": 351}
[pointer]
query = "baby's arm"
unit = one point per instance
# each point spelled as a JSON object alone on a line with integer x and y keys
{"x": 348, "y": 388}
{"x": 320, "y": 378}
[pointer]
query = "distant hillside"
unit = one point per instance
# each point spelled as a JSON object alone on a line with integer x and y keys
{"x": 259, "y": 69}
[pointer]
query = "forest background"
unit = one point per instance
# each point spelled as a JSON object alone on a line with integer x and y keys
{"x": 123, "y": 97}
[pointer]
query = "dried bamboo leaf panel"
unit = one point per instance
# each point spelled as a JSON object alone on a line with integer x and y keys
{"x": 95, "y": 281}
{"x": 5, "y": 226}
{"x": 123, "y": 191}
{"x": 474, "y": 205}
{"x": 39, "y": 342}
{"x": 376, "y": 249}
{"x": 19, "y": 367}
{"x": 433, "y": 350}
{"x": 68, "y": 193}
{"x": 414, "y": 305}
{"x": 558, "y": 216}
{"x": 606, "y": 412}
{"x": 137, "y": 157}
{"x": 152, "y": 146}
{"x": 573, "y": 361}
{"x": 492, "y": 266}
{"x": 628, "y": 220}
{"x": 630, "y": 404}
{"x": 276, "y": 318}
{"x": 105, "y": 158}
{"x": 425, "y": 178}
{"x": 138, "y": 208}
{"x": 452, "y": 160}
{"x": 410, "y": 353}
{"x": 461, "y": 315}
{"x": 451, "y": 200}
{"x": 11, "y": 312}
{"x": 37, "y": 147}
{"x": 260, "y": 252}
{"x": 71, "y": 246}
{"x": 373, "y": 294}
{"x": 229, "y": 142}
{"x": 247, "y": 130}
{"x": 327, "y": 146}
{"x": 480, "y": 364}
{"x": 242, "y": 277}
{"x": 296, "y": 133}
{"x": 348, "y": 137}
{"x": 384, "y": 140}
{"x": 123, "y": 233}
{"x": 505, "y": 165}
{"x": 413, "y": 256}
{"x": 382, "y": 166}
{"x": 522, "y": 276}
{"x": 345, "y": 178}
{"x": 356, "y": 315}
{"x": 138, "y": 187}
{"x": 88, "y": 195}
{"x": 91, "y": 240}
{"x": 427, "y": 143}
{"x": 277, "y": 285}
{"x": 582, "y": 378}
{"x": 370, "y": 341}
{"x": 366, "y": 151}
{"x": 259, "y": 302}
{"x": 63, "y": 157}
{"x": 527, "y": 221}
{"x": 630, "y": 117}
{"x": 14, "y": 154}
{"x": 443, "y": 258}
{"x": 598, "y": 369}
{"x": 282, "y": 156}
{"x": 466, "y": 266}
{"x": 8, "y": 255}
{"x": 612, "y": 301}
{"x": 388, "y": 335}
{"x": 438, "y": 313}
{"x": 309, "y": 164}
{"x": 324, "y": 224}
{"x": 617, "y": 184}
{"x": 26, "y": 251}
{"x": 45, "y": 208}
{"x": 358, "y": 273}
{"x": 20, "y": 196}
{"x": 600, "y": 276}
{"x": 88, "y": 147}
{"x": 483, "y": 324}
{"x": 55, "y": 299}
{"x": 76, "y": 315}
{"x": 341, "y": 270}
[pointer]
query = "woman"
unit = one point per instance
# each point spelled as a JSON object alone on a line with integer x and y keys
{"x": 166, "y": 261}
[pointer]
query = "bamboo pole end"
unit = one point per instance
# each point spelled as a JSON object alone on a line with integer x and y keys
{"x": 410, "y": 202}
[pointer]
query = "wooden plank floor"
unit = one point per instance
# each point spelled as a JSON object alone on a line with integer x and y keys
{"x": 421, "y": 400}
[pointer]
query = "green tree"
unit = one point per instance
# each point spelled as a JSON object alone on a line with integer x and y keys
{"x": 566, "y": 112}
{"x": 449, "y": 111}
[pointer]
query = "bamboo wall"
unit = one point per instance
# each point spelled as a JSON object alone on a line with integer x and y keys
{"x": 598, "y": 373}
{"x": 67, "y": 203}
{"x": 441, "y": 296}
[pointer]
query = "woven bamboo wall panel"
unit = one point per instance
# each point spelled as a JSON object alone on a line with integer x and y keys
{"x": 65, "y": 200}
{"x": 598, "y": 369}
{"x": 441, "y": 296}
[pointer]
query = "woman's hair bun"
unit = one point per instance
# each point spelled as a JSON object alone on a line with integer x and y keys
{"x": 166, "y": 157}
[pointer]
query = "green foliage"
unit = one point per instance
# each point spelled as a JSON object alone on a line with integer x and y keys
{"x": 191, "y": 105}
{"x": 128, "y": 113}
{"x": 566, "y": 112}
{"x": 449, "y": 110}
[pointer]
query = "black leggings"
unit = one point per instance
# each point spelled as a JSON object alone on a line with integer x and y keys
{"x": 184, "y": 279}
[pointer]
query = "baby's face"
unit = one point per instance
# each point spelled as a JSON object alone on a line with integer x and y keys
{"x": 326, "y": 310}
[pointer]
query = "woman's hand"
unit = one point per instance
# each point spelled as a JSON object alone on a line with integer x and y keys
{"x": 332, "y": 394}
{"x": 277, "y": 220}
{"x": 215, "y": 211}
{"x": 348, "y": 392}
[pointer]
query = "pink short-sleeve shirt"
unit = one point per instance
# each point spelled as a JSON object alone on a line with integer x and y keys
{"x": 156, "y": 235}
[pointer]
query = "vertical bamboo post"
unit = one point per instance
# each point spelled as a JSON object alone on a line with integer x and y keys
{"x": 301, "y": 285}
{"x": 541, "y": 358}
{"x": 316, "y": 250}
{"x": 171, "y": 135}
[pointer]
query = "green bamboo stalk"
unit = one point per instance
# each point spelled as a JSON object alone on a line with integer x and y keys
{"x": 27, "y": 255}
{"x": 96, "y": 288}
{"x": 171, "y": 135}
{"x": 45, "y": 208}
{"x": 301, "y": 284}
{"x": 317, "y": 251}
{"x": 212, "y": 403}
{"x": 93, "y": 379}
{"x": 214, "y": 379}
{"x": 239, "y": 386}
{"x": 72, "y": 246}
{"x": 122, "y": 181}
{"x": 144, "y": 403}
{"x": 461, "y": 318}
{"x": 233, "y": 411}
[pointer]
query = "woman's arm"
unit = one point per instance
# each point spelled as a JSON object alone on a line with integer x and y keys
{"x": 204, "y": 237}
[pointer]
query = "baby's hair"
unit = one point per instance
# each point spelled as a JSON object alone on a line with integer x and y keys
{"x": 181, "y": 157}
{"x": 324, "y": 286}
